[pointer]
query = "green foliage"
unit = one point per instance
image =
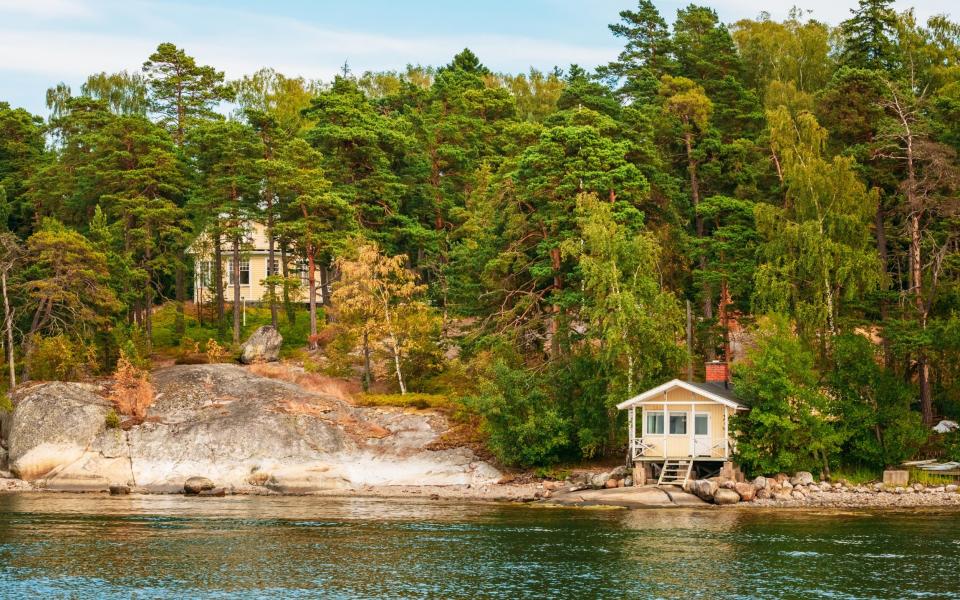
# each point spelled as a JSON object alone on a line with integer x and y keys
{"x": 788, "y": 427}
{"x": 411, "y": 400}
{"x": 112, "y": 420}
{"x": 60, "y": 358}
{"x": 872, "y": 406}
{"x": 523, "y": 422}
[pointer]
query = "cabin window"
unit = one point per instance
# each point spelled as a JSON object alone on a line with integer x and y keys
{"x": 244, "y": 273}
{"x": 678, "y": 423}
{"x": 701, "y": 425}
{"x": 655, "y": 422}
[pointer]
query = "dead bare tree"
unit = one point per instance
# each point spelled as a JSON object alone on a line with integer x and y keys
{"x": 930, "y": 180}
{"x": 10, "y": 254}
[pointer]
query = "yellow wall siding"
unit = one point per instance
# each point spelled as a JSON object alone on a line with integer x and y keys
{"x": 255, "y": 247}
{"x": 678, "y": 445}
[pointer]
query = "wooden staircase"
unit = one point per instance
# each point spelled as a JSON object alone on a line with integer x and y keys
{"x": 675, "y": 472}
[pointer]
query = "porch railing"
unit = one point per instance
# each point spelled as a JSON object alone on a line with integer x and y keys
{"x": 653, "y": 447}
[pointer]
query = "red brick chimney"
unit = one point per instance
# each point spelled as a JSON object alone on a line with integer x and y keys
{"x": 717, "y": 372}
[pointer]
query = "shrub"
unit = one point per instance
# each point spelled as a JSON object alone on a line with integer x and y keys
{"x": 214, "y": 351}
{"x": 6, "y": 405}
{"x": 188, "y": 346}
{"x": 339, "y": 353}
{"x": 132, "y": 392}
{"x": 873, "y": 406}
{"x": 788, "y": 427}
{"x": 524, "y": 424}
{"x": 112, "y": 419}
{"x": 59, "y": 358}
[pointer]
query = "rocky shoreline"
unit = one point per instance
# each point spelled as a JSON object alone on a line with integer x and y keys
{"x": 557, "y": 493}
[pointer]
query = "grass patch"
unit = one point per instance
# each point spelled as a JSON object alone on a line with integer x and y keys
{"x": 165, "y": 339}
{"x": 413, "y": 400}
{"x": 930, "y": 478}
{"x": 856, "y": 475}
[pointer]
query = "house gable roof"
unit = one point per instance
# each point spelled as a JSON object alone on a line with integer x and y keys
{"x": 717, "y": 393}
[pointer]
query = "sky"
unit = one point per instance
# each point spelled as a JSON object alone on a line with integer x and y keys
{"x": 43, "y": 42}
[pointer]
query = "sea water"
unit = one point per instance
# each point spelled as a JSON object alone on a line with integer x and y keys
{"x": 96, "y": 546}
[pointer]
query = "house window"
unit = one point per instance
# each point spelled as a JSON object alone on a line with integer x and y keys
{"x": 701, "y": 425}
{"x": 678, "y": 423}
{"x": 273, "y": 267}
{"x": 205, "y": 273}
{"x": 244, "y": 272}
{"x": 655, "y": 422}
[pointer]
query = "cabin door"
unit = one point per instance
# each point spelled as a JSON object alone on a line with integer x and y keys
{"x": 701, "y": 434}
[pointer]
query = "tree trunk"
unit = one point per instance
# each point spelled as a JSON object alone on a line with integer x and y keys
{"x": 180, "y": 294}
{"x": 236, "y": 289}
{"x": 288, "y": 307}
{"x": 557, "y": 309}
{"x": 8, "y": 327}
{"x": 366, "y": 361}
{"x": 698, "y": 219}
{"x": 394, "y": 347}
{"x": 312, "y": 290}
{"x": 916, "y": 284}
{"x": 879, "y": 224}
{"x": 274, "y": 318}
{"x": 218, "y": 283}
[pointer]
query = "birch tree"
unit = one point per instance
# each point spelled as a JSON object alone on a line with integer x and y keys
{"x": 816, "y": 249}
{"x": 380, "y": 298}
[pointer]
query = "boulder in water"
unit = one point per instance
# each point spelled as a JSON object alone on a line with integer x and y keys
{"x": 197, "y": 485}
{"x": 263, "y": 345}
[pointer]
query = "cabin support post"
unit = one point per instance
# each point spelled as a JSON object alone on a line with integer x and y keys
{"x": 726, "y": 435}
{"x": 633, "y": 433}
{"x": 666, "y": 426}
{"x": 691, "y": 428}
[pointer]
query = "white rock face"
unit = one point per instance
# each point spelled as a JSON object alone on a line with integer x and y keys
{"x": 244, "y": 432}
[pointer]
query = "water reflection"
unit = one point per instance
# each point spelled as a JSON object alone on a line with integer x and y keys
{"x": 167, "y": 546}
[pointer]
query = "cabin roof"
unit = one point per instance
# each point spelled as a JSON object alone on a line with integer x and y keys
{"x": 717, "y": 392}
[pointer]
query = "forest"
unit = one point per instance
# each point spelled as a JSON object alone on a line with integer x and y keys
{"x": 526, "y": 246}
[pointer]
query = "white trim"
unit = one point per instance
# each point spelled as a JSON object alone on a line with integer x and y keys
{"x": 676, "y": 383}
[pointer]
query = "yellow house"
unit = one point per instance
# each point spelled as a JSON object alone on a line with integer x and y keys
{"x": 681, "y": 423}
{"x": 255, "y": 267}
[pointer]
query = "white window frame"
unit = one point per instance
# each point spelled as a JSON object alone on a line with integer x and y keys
{"x": 244, "y": 269}
{"x": 701, "y": 414}
{"x": 646, "y": 422}
{"x": 686, "y": 423}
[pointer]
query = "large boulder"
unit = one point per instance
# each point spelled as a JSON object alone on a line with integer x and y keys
{"x": 802, "y": 478}
{"x": 704, "y": 488}
{"x": 263, "y": 345}
{"x": 195, "y": 485}
{"x": 725, "y": 496}
{"x": 746, "y": 491}
{"x": 52, "y": 426}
